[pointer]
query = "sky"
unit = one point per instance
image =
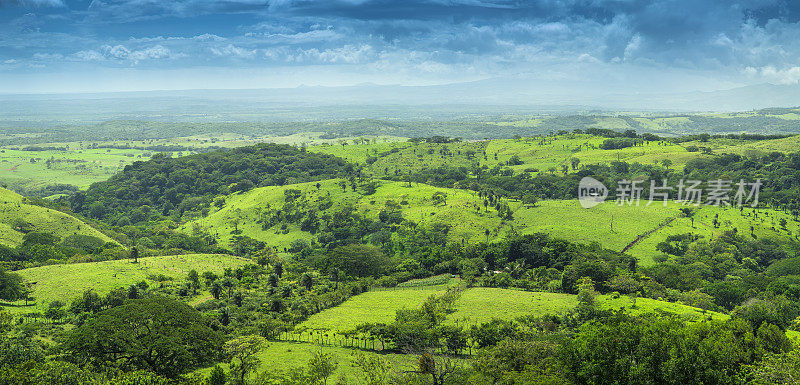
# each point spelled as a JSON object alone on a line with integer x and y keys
{"x": 64, "y": 46}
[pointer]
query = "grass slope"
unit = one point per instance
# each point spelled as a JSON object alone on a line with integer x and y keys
{"x": 481, "y": 304}
{"x": 765, "y": 223}
{"x": 373, "y": 306}
{"x": 541, "y": 154}
{"x": 13, "y": 208}
{"x": 290, "y": 355}
{"x": 478, "y": 305}
{"x": 65, "y": 282}
{"x": 564, "y": 219}
{"x": 417, "y": 203}
{"x": 561, "y": 218}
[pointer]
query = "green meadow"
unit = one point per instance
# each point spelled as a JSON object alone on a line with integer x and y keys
{"x": 480, "y": 304}
{"x": 78, "y": 167}
{"x": 288, "y": 356}
{"x": 613, "y": 226}
{"x": 14, "y": 211}
{"x": 463, "y": 211}
{"x": 765, "y": 223}
{"x": 375, "y": 306}
{"x": 66, "y": 282}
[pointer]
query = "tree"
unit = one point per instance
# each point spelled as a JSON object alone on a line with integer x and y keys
{"x": 357, "y": 260}
{"x": 243, "y": 186}
{"x": 88, "y": 302}
{"x": 307, "y": 280}
{"x": 158, "y": 334}
{"x": 12, "y": 287}
{"x": 574, "y": 162}
{"x": 215, "y": 289}
{"x": 375, "y": 369}
{"x": 439, "y": 198}
{"x": 242, "y": 352}
{"x": 194, "y": 280}
{"x": 135, "y": 254}
{"x": 586, "y": 296}
{"x": 439, "y": 371}
{"x": 217, "y": 376}
{"x": 320, "y": 367}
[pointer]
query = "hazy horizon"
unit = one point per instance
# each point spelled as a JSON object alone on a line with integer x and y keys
{"x": 596, "y": 47}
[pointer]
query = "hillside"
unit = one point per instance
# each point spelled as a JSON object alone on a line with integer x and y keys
{"x": 66, "y": 282}
{"x": 463, "y": 212}
{"x": 542, "y": 154}
{"x": 176, "y": 185}
{"x": 18, "y": 217}
{"x": 478, "y": 305}
{"x": 613, "y": 226}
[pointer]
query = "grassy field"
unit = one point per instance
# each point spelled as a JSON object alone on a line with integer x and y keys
{"x": 765, "y": 223}
{"x": 242, "y": 211}
{"x": 14, "y": 210}
{"x": 65, "y": 282}
{"x": 83, "y": 163}
{"x": 463, "y": 211}
{"x": 478, "y": 305}
{"x": 78, "y": 167}
{"x": 647, "y": 305}
{"x": 546, "y": 154}
{"x": 288, "y": 356}
{"x": 613, "y": 226}
{"x": 373, "y": 306}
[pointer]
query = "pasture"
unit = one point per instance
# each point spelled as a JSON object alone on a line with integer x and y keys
{"x": 765, "y": 223}
{"x": 16, "y": 213}
{"x": 375, "y": 306}
{"x": 66, "y": 282}
{"x": 480, "y": 304}
{"x": 288, "y": 356}
{"x": 613, "y": 226}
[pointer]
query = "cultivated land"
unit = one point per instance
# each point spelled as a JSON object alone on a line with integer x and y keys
{"x": 66, "y": 282}
{"x": 17, "y": 216}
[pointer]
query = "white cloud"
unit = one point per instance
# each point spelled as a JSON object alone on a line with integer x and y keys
{"x": 789, "y": 75}
{"x": 233, "y": 51}
{"x": 89, "y": 55}
{"x": 347, "y": 54}
{"x": 34, "y": 3}
{"x": 122, "y": 53}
